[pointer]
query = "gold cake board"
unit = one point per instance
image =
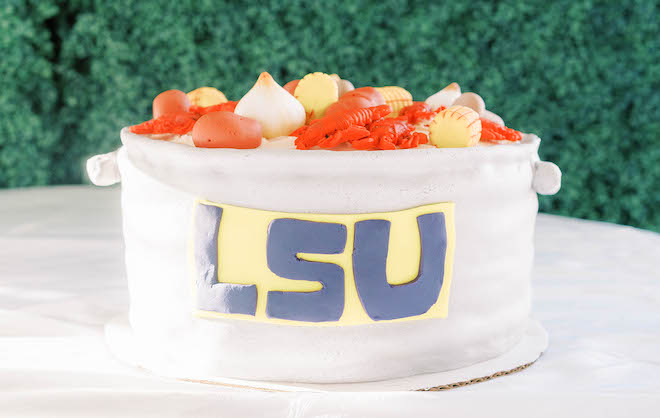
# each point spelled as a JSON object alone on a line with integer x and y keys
{"x": 119, "y": 337}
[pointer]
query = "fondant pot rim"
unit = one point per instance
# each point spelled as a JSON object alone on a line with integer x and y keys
{"x": 527, "y": 148}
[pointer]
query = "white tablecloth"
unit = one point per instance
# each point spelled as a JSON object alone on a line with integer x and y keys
{"x": 596, "y": 291}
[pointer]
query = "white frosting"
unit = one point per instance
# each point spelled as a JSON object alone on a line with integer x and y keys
{"x": 122, "y": 343}
{"x": 281, "y": 142}
{"x": 288, "y": 143}
{"x": 183, "y": 139}
{"x": 490, "y": 296}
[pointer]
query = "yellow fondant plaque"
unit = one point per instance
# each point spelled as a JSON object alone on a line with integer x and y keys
{"x": 321, "y": 269}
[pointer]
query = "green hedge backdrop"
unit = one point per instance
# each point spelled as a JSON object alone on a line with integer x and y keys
{"x": 583, "y": 75}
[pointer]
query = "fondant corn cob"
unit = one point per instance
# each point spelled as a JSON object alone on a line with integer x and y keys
{"x": 458, "y": 126}
{"x": 396, "y": 97}
{"x": 316, "y": 91}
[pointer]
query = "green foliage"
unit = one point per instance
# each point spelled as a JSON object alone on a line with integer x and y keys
{"x": 28, "y": 100}
{"x": 583, "y": 75}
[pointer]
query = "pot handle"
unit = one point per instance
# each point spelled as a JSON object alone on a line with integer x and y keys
{"x": 102, "y": 169}
{"x": 547, "y": 178}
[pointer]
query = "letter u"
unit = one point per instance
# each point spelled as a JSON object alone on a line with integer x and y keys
{"x": 384, "y": 301}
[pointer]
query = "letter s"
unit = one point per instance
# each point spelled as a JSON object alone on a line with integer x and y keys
{"x": 288, "y": 237}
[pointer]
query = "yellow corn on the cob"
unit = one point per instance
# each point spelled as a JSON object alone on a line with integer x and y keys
{"x": 396, "y": 97}
{"x": 458, "y": 126}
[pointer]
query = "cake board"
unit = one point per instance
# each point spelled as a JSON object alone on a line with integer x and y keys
{"x": 121, "y": 342}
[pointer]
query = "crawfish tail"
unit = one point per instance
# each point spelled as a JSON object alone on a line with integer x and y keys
{"x": 364, "y": 144}
{"x": 361, "y": 116}
{"x": 492, "y": 131}
{"x": 328, "y": 125}
{"x": 354, "y": 133}
{"x": 381, "y": 111}
{"x": 420, "y": 138}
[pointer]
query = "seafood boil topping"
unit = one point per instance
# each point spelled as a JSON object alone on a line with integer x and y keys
{"x": 316, "y": 91}
{"x": 396, "y": 97}
{"x": 492, "y": 131}
{"x": 170, "y": 101}
{"x": 171, "y": 123}
{"x": 471, "y": 100}
{"x": 362, "y": 128}
{"x": 455, "y": 127}
{"x": 206, "y": 96}
{"x": 419, "y": 112}
{"x": 226, "y": 130}
{"x": 323, "y": 111}
{"x": 355, "y": 99}
{"x": 336, "y": 122}
{"x": 291, "y": 86}
{"x": 445, "y": 97}
{"x": 226, "y": 107}
{"x": 179, "y": 123}
{"x": 276, "y": 110}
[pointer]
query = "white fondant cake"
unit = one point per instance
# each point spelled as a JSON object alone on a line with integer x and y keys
{"x": 316, "y": 266}
{"x": 495, "y": 209}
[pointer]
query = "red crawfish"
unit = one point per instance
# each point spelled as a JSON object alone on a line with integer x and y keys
{"x": 179, "y": 123}
{"x": 311, "y": 135}
{"x": 350, "y": 134}
{"x": 491, "y": 131}
{"x": 419, "y": 111}
{"x": 388, "y": 133}
{"x": 170, "y": 123}
{"x": 226, "y": 106}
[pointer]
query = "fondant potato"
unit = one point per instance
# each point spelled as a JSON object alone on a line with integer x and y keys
{"x": 291, "y": 86}
{"x": 344, "y": 87}
{"x": 206, "y": 96}
{"x": 456, "y": 127}
{"x": 368, "y": 93}
{"x": 226, "y": 130}
{"x": 346, "y": 103}
{"x": 170, "y": 101}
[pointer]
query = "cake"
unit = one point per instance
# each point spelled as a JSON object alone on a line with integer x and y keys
{"x": 319, "y": 233}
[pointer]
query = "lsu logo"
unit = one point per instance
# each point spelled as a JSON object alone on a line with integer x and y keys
{"x": 311, "y": 269}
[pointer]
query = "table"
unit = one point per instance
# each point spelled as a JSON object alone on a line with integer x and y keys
{"x": 596, "y": 290}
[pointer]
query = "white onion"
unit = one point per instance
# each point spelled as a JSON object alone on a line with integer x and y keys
{"x": 277, "y": 111}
